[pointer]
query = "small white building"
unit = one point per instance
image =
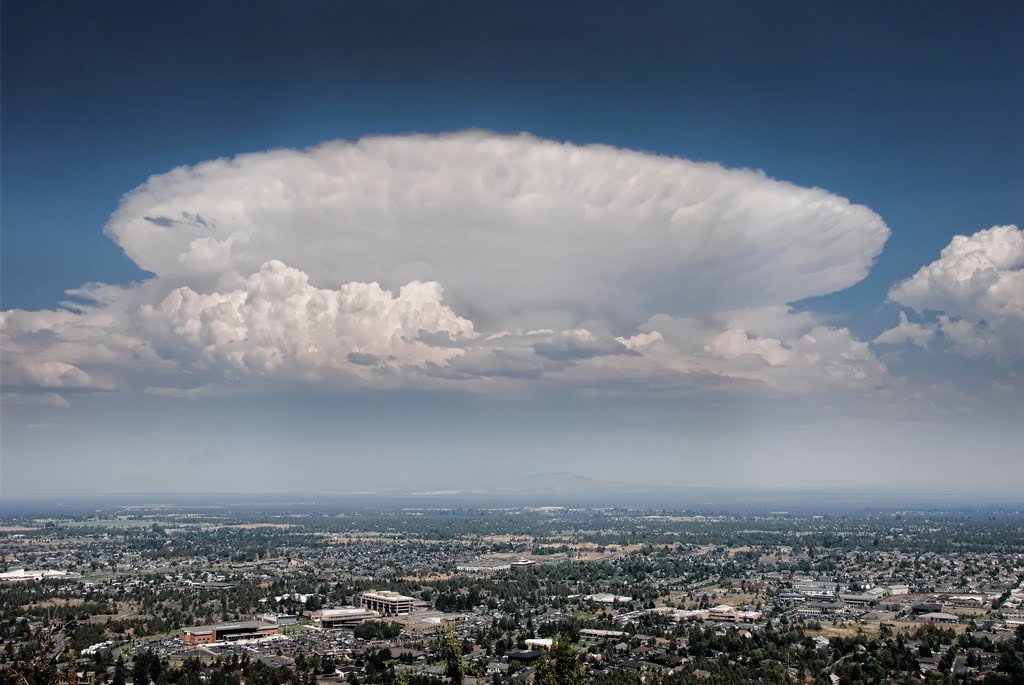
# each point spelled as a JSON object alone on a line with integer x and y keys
{"x": 98, "y": 648}
{"x": 608, "y": 598}
{"x": 539, "y": 643}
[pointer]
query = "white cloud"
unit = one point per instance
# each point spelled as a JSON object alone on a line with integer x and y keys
{"x": 83, "y": 349}
{"x": 506, "y": 223}
{"x": 977, "y": 284}
{"x": 53, "y": 375}
{"x": 683, "y": 355}
{"x": 279, "y": 323}
{"x": 469, "y": 260}
{"x": 970, "y": 338}
{"x": 736, "y": 342}
{"x": 788, "y": 352}
{"x": 906, "y": 331}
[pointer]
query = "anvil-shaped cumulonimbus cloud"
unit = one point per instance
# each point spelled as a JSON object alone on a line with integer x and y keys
{"x": 505, "y": 223}
{"x": 464, "y": 256}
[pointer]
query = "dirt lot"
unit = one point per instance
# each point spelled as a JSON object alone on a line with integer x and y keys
{"x": 910, "y": 626}
{"x": 429, "y": 577}
{"x": 846, "y": 630}
{"x": 55, "y": 602}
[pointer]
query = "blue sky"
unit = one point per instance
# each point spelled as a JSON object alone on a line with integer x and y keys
{"x": 911, "y": 109}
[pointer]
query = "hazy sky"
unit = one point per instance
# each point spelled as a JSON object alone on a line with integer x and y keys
{"x": 347, "y": 246}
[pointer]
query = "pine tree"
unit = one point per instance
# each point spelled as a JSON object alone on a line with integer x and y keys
{"x": 560, "y": 667}
{"x": 454, "y": 667}
{"x": 568, "y": 670}
{"x": 140, "y": 672}
{"x": 544, "y": 672}
{"x": 120, "y": 672}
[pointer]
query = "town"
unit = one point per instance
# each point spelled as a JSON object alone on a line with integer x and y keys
{"x": 179, "y": 594}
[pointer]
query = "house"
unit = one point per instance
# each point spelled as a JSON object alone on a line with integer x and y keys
{"x": 539, "y": 643}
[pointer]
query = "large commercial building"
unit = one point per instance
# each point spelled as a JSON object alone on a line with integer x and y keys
{"x": 343, "y": 618}
{"x": 939, "y": 617}
{"x": 386, "y": 603}
{"x": 227, "y": 632}
{"x": 280, "y": 619}
{"x": 729, "y": 614}
{"x": 591, "y": 636}
{"x": 608, "y": 598}
{"x": 483, "y": 567}
{"x": 41, "y": 574}
{"x": 495, "y": 566}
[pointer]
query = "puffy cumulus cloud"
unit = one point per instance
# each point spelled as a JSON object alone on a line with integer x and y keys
{"x": 907, "y": 331}
{"x": 735, "y": 343}
{"x": 471, "y": 260}
{"x": 773, "y": 347}
{"x": 974, "y": 339}
{"x": 278, "y": 323}
{"x": 768, "y": 352}
{"x": 977, "y": 287}
{"x": 43, "y": 351}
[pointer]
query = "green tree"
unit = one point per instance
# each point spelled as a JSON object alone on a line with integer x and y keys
{"x": 120, "y": 672}
{"x": 140, "y": 671}
{"x": 561, "y": 666}
{"x": 544, "y": 672}
{"x": 451, "y": 654}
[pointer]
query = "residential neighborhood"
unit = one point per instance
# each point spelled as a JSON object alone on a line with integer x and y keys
{"x": 634, "y": 595}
